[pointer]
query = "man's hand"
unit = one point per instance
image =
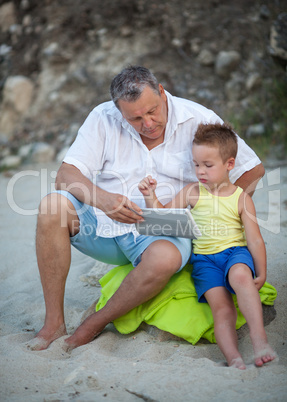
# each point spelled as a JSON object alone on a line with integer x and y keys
{"x": 115, "y": 206}
{"x": 121, "y": 209}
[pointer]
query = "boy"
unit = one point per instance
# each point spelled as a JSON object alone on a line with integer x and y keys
{"x": 227, "y": 258}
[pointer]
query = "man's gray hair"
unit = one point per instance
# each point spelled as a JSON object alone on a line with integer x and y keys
{"x": 129, "y": 84}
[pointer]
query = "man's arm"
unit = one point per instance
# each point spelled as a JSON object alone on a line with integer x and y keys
{"x": 116, "y": 206}
{"x": 248, "y": 181}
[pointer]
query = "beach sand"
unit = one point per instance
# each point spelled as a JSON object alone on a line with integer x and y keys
{"x": 148, "y": 364}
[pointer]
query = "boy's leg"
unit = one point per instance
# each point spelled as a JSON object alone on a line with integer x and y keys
{"x": 240, "y": 279}
{"x": 225, "y": 315}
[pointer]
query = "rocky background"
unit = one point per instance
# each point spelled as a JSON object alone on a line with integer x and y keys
{"x": 57, "y": 59}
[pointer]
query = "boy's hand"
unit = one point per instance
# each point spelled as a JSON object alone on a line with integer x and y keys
{"x": 259, "y": 282}
{"x": 147, "y": 186}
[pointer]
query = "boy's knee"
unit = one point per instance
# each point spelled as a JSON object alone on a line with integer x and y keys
{"x": 240, "y": 274}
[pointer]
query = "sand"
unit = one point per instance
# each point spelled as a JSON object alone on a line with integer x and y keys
{"x": 146, "y": 365}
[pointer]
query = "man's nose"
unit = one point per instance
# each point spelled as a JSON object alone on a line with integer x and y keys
{"x": 147, "y": 122}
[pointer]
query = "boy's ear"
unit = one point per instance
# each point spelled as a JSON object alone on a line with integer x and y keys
{"x": 230, "y": 163}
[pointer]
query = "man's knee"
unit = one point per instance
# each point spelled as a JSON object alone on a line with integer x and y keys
{"x": 56, "y": 210}
{"x": 162, "y": 258}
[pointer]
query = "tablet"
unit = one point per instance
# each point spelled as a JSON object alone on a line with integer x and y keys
{"x": 176, "y": 222}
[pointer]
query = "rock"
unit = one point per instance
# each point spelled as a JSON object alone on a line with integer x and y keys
{"x": 206, "y": 57}
{"x": 42, "y": 153}
{"x": 205, "y": 95}
{"x": 18, "y": 93}
{"x": 126, "y": 31}
{"x": 255, "y": 130}
{"x": 55, "y": 55}
{"x": 278, "y": 38}
{"x": 234, "y": 88}
{"x": 195, "y": 45}
{"x": 8, "y": 121}
{"x": 25, "y": 151}
{"x": 253, "y": 81}
{"x": 226, "y": 62}
{"x": 50, "y": 50}
{"x": 5, "y": 50}
{"x": 178, "y": 43}
{"x": 264, "y": 12}
{"x": 10, "y": 162}
{"x": 7, "y": 16}
{"x": 27, "y": 20}
{"x": 17, "y": 98}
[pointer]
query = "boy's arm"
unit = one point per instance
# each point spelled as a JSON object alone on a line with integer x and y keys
{"x": 147, "y": 187}
{"x": 184, "y": 198}
{"x": 255, "y": 242}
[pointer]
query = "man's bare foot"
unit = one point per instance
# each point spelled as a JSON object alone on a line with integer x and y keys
{"x": 237, "y": 363}
{"x": 84, "y": 334}
{"x": 44, "y": 338}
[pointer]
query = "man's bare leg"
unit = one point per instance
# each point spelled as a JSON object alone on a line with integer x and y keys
{"x": 250, "y": 305}
{"x": 159, "y": 262}
{"x": 57, "y": 219}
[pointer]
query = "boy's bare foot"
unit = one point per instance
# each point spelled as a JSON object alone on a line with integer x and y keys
{"x": 237, "y": 363}
{"x": 264, "y": 355}
{"x": 44, "y": 338}
{"x": 84, "y": 334}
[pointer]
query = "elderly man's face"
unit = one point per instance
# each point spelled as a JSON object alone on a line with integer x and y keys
{"x": 147, "y": 115}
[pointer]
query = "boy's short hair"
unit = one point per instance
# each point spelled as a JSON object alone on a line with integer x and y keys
{"x": 217, "y": 135}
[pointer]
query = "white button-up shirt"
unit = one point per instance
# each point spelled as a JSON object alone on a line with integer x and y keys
{"x": 110, "y": 153}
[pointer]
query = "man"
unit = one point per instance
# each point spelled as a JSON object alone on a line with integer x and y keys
{"x": 144, "y": 130}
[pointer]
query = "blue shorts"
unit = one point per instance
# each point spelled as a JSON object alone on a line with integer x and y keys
{"x": 118, "y": 250}
{"x": 211, "y": 270}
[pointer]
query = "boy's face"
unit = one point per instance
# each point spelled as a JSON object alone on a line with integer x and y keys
{"x": 210, "y": 169}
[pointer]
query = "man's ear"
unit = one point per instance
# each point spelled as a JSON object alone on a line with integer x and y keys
{"x": 162, "y": 92}
{"x": 230, "y": 163}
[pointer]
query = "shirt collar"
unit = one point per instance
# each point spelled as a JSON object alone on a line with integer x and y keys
{"x": 178, "y": 113}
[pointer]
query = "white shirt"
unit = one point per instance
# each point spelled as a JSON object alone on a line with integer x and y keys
{"x": 110, "y": 153}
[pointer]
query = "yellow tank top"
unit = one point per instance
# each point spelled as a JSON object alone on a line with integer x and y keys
{"x": 219, "y": 222}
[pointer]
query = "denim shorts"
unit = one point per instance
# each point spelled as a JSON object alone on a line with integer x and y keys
{"x": 118, "y": 250}
{"x": 211, "y": 270}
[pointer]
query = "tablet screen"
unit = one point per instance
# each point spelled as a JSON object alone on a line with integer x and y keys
{"x": 168, "y": 222}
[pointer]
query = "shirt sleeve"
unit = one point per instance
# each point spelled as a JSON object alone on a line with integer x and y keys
{"x": 88, "y": 150}
{"x": 246, "y": 160}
